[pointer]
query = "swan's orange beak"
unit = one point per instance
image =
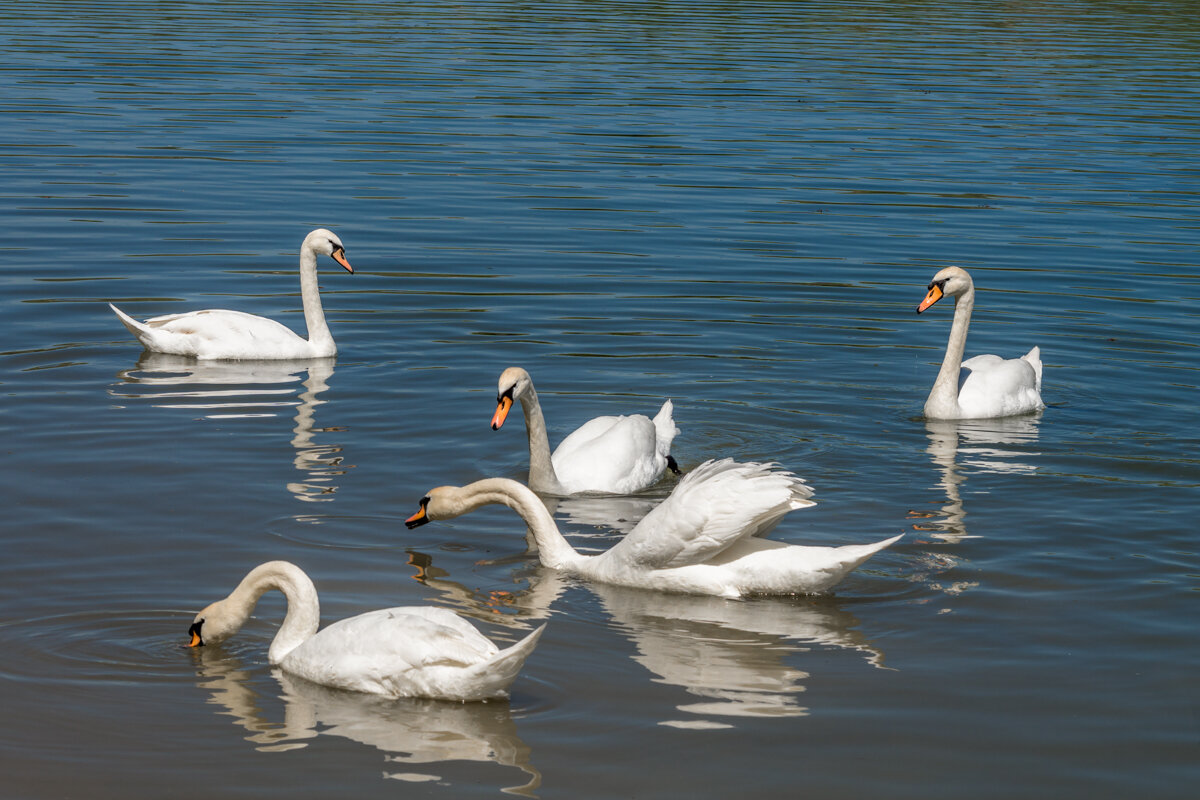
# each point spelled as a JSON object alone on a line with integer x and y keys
{"x": 340, "y": 257}
{"x": 935, "y": 294}
{"x": 502, "y": 410}
{"x": 194, "y": 631}
{"x": 418, "y": 519}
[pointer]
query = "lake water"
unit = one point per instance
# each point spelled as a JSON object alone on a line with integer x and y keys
{"x": 734, "y": 205}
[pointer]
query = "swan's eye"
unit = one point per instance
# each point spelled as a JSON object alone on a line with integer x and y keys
{"x": 508, "y": 393}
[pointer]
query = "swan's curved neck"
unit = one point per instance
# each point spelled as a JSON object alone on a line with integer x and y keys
{"x": 943, "y": 396}
{"x": 553, "y": 549}
{"x": 310, "y": 294}
{"x": 303, "y": 609}
{"x": 541, "y": 470}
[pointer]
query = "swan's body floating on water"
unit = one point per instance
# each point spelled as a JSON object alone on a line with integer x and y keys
{"x": 605, "y": 455}
{"x": 410, "y": 651}
{"x": 983, "y": 386}
{"x": 222, "y": 334}
{"x": 703, "y": 539}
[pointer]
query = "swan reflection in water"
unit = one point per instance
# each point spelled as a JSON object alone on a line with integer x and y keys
{"x": 242, "y": 389}
{"x": 959, "y": 448}
{"x": 408, "y": 731}
{"x": 731, "y": 653}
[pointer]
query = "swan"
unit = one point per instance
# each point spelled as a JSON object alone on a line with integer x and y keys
{"x": 410, "y": 651}
{"x": 983, "y": 386}
{"x": 605, "y": 455}
{"x": 222, "y": 334}
{"x": 702, "y": 539}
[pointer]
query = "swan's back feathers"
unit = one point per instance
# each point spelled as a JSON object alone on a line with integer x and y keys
{"x": 216, "y": 333}
{"x": 407, "y": 652}
{"x": 612, "y": 454}
{"x": 715, "y": 505}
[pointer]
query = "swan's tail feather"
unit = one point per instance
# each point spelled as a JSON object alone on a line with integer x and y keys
{"x": 852, "y": 555}
{"x": 1034, "y": 357}
{"x": 664, "y": 428}
{"x": 499, "y": 672}
{"x": 134, "y": 327}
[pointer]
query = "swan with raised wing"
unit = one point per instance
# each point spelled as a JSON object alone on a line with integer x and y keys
{"x": 218, "y": 333}
{"x": 704, "y": 538}
{"x": 983, "y": 386}
{"x": 408, "y": 651}
{"x": 605, "y": 455}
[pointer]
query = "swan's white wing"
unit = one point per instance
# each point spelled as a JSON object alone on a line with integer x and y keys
{"x": 221, "y": 325}
{"x": 614, "y": 454}
{"x": 991, "y": 386}
{"x": 374, "y": 651}
{"x": 715, "y": 505}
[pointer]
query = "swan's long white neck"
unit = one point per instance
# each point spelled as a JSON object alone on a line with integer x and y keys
{"x": 943, "y": 397}
{"x": 553, "y": 549}
{"x": 303, "y": 609}
{"x": 541, "y": 470}
{"x": 314, "y": 314}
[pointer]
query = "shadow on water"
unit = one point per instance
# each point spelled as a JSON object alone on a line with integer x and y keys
{"x": 225, "y": 390}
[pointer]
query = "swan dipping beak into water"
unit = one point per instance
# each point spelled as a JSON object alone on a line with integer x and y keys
{"x": 704, "y": 538}
{"x": 408, "y": 651}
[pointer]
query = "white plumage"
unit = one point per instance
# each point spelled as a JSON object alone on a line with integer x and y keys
{"x": 983, "y": 386}
{"x": 605, "y": 455}
{"x": 235, "y": 335}
{"x": 408, "y": 651}
{"x": 704, "y": 538}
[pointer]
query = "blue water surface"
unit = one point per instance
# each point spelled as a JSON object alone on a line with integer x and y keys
{"x": 737, "y": 206}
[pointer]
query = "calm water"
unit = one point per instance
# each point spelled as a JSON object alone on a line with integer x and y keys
{"x": 735, "y": 205}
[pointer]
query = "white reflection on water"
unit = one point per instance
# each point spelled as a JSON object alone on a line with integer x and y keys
{"x": 409, "y": 731}
{"x": 731, "y": 653}
{"x": 958, "y": 446}
{"x": 225, "y": 390}
{"x": 983, "y": 445}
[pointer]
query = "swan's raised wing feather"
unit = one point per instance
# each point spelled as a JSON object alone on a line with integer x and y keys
{"x": 715, "y": 505}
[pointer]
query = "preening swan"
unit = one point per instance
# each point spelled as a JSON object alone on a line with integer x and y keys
{"x": 605, "y": 455}
{"x": 223, "y": 334}
{"x": 983, "y": 386}
{"x": 409, "y": 651}
{"x": 703, "y": 539}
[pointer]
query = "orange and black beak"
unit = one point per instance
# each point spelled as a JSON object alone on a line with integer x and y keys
{"x": 339, "y": 255}
{"x": 935, "y": 294}
{"x": 421, "y": 517}
{"x": 194, "y": 632}
{"x": 504, "y": 405}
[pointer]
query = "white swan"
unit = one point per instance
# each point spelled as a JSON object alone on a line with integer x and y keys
{"x": 410, "y": 651}
{"x": 703, "y": 539}
{"x": 222, "y": 334}
{"x": 983, "y": 386}
{"x": 605, "y": 455}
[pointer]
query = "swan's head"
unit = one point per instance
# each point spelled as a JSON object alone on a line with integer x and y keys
{"x": 213, "y": 625}
{"x": 326, "y": 243}
{"x": 514, "y": 382}
{"x": 951, "y": 281}
{"x": 441, "y": 503}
